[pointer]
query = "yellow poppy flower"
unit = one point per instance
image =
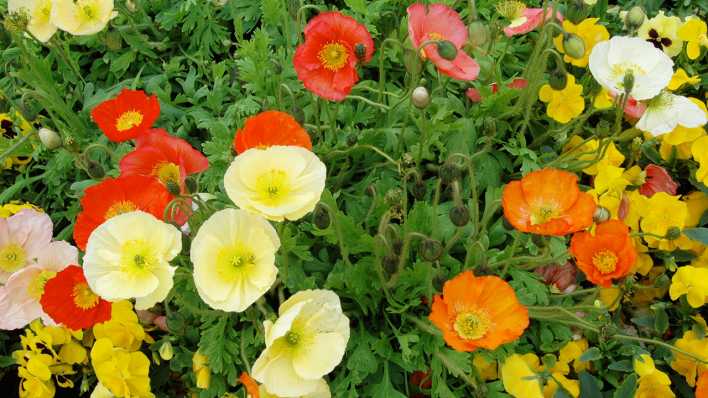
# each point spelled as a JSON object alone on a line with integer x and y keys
{"x": 589, "y": 31}
{"x": 652, "y": 382}
{"x": 662, "y": 32}
{"x": 695, "y": 32}
{"x": 123, "y": 373}
{"x": 519, "y": 379}
{"x": 666, "y": 212}
{"x": 687, "y": 366}
{"x": 39, "y": 12}
{"x": 680, "y": 78}
{"x": 565, "y": 104}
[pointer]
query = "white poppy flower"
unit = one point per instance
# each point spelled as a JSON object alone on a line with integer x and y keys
{"x": 666, "y": 111}
{"x": 234, "y": 259}
{"x": 39, "y": 13}
{"x": 612, "y": 60}
{"x": 322, "y": 391}
{"x": 82, "y": 17}
{"x": 305, "y": 343}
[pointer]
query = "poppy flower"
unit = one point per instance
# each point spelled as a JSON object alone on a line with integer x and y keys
{"x": 127, "y": 116}
{"x": 478, "y": 312}
{"x": 608, "y": 254}
{"x": 657, "y": 180}
{"x": 250, "y": 385}
{"x": 114, "y": 196}
{"x": 326, "y": 61}
{"x": 163, "y": 156}
{"x": 437, "y": 22}
{"x": 702, "y": 385}
{"x": 271, "y": 128}
{"x": 68, "y": 300}
{"x": 547, "y": 202}
{"x": 525, "y": 20}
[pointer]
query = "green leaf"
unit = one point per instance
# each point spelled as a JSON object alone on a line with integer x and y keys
{"x": 589, "y": 386}
{"x": 385, "y": 389}
{"x": 592, "y": 354}
{"x": 698, "y": 234}
{"x": 626, "y": 390}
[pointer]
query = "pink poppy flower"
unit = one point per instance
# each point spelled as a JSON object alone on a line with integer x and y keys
{"x": 440, "y": 22}
{"x": 19, "y": 298}
{"x": 657, "y": 180}
{"x": 23, "y": 237}
{"x": 474, "y": 95}
{"x": 530, "y": 19}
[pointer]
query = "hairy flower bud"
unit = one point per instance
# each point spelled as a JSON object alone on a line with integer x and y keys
{"x": 460, "y": 216}
{"x": 635, "y": 17}
{"x": 360, "y": 51}
{"x": 447, "y": 50}
{"x": 573, "y": 45}
{"x": 420, "y": 97}
{"x": 601, "y": 214}
{"x": 320, "y": 217}
{"x": 431, "y": 249}
{"x": 49, "y": 138}
{"x": 558, "y": 79}
{"x": 479, "y": 33}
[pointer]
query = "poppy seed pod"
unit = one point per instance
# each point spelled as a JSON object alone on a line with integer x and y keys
{"x": 320, "y": 217}
{"x": 420, "y": 97}
{"x": 558, "y": 79}
{"x": 573, "y": 45}
{"x": 460, "y": 216}
{"x": 447, "y": 50}
{"x": 635, "y": 17}
{"x": 431, "y": 249}
{"x": 601, "y": 214}
{"x": 479, "y": 33}
{"x": 49, "y": 138}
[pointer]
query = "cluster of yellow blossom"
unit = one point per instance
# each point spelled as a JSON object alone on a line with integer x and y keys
{"x": 15, "y": 207}
{"x": 670, "y": 33}
{"x": 652, "y": 382}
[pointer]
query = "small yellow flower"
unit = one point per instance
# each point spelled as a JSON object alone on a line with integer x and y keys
{"x": 699, "y": 149}
{"x": 687, "y": 366}
{"x": 662, "y": 32}
{"x": 603, "y": 100}
{"x": 680, "y": 78}
{"x": 200, "y": 367}
{"x": 691, "y": 281}
{"x": 589, "y": 31}
{"x": 666, "y": 212}
{"x": 519, "y": 379}
{"x": 588, "y": 151}
{"x": 123, "y": 373}
{"x": 565, "y": 104}
{"x": 610, "y": 297}
{"x": 571, "y": 386}
{"x": 571, "y": 352}
{"x": 695, "y": 32}
{"x": 123, "y": 329}
{"x": 652, "y": 382}
{"x": 697, "y": 203}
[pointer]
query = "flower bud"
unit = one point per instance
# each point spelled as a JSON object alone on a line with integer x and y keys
{"x": 420, "y": 97}
{"x": 601, "y": 214}
{"x": 94, "y": 169}
{"x": 352, "y": 139}
{"x": 673, "y": 233}
{"x": 173, "y": 188}
{"x": 320, "y": 217}
{"x": 447, "y": 50}
{"x": 360, "y": 51}
{"x": 479, "y": 33}
{"x": 130, "y": 5}
{"x": 558, "y": 79}
{"x": 166, "y": 351}
{"x": 49, "y": 138}
{"x": 573, "y": 45}
{"x": 635, "y": 17}
{"x": 628, "y": 82}
{"x": 460, "y": 216}
{"x": 431, "y": 250}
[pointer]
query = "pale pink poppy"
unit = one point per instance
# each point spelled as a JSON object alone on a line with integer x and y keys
{"x": 530, "y": 19}
{"x": 440, "y": 22}
{"x": 19, "y": 298}
{"x": 23, "y": 237}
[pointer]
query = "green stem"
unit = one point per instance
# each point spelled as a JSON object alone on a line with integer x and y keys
{"x": 370, "y": 102}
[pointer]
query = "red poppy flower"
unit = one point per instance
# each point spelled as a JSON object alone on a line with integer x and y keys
{"x": 608, "y": 254}
{"x": 657, "y": 180}
{"x": 250, "y": 384}
{"x": 436, "y": 22}
{"x": 68, "y": 300}
{"x": 326, "y": 61}
{"x": 127, "y": 116}
{"x": 114, "y": 196}
{"x": 161, "y": 155}
{"x": 271, "y": 128}
{"x": 474, "y": 95}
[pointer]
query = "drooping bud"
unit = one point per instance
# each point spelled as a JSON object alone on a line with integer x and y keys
{"x": 360, "y": 51}
{"x": 573, "y": 45}
{"x": 420, "y": 97}
{"x": 320, "y": 217}
{"x": 390, "y": 263}
{"x": 166, "y": 351}
{"x": 601, "y": 214}
{"x": 635, "y": 17}
{"x": 49, "y": 138}
{"x": 558, "y": 79}
{"x": 460, "y": 216}
{"x": 447, "y": 50}
{"x": 431, "y": 249}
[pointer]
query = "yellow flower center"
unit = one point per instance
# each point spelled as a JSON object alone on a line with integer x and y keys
{"x": 128, "y": 120}
{"x": 511, "y": 9}
{"x": 543, "y": 215}
{"x": 137, "y": 256}
{"x": 88, "y": 11}
{"x": 167, "y": 172}
{"x": 333, "y": 56}
{"x": 231, "y": 261}
{"x": 84, "y": 298}
{"x": 292, "y": 338}
{"x": 472, "y": 325}
{"x": 605, "y": 261}
{"x": 619, "y": 71}
{"x": 124, "y": 206}
{"x": 273, "y": 187}
{"x": 36, "y": 288}
{"x": 12, "y": 257}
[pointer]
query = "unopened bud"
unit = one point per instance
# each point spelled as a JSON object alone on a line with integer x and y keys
{"x": 673, "y": 233}
{"x": 173, "y": 188}
{"x": 601, "y": 214}
{"x": 49, "y": 138}
{"x": 94, "y": 169}
{"x": 460, "y": 216}
{"x": 360, "y": 51}
{"x": 320, "y": 217}
{"x": 447, "y": 50}
{"x": 390, "y": 263}
{"x": 628, "y": 82}
{"x": 431, "y": 250}
{"x": 166, "y": 351}
{"x": 573, "y": 45}
{"x": 420, "y": 97}
{"x": 352, "y": 139}
{"x": 635, "y": 17}
{"x": 130, "y": 5}
{"x": 558, "y": 80}
{"x": 479, "y": 33}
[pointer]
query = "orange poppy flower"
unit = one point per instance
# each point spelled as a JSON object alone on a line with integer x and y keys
{"x": 702, "y": 385}
{"x": 478, "y": 312}
{"x": 326, "y": 61}
{"x": 250, "y": 384}
{"x": 114, "y": 196}
{"x": 547, "y": 202}
{"x": 68, "y": 300}
{"x": 271, "y": 128}
{"x": 127, "y": 116}
{"x": 607, "y": 255}
{"x": 159, "y": 154}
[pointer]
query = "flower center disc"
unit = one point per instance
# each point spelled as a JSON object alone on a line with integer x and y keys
{"x": 167, "y": 173}
{"x": 12, "y": 257}
{"x": 605, "y": 261}
{"x": 84, "y": 298}
{"x": 124, "y": 206}
{"x": 137, "y": 257}
{"x": 543, "y": 215}
{"x": 230, "y": 262}
{"x": 128, "y": 120}
{"x": 472, "y": 325}
{"x": 333, "y": 56}
{"x": 273, "y": 187}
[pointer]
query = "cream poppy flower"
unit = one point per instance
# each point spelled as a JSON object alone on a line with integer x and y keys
{"x": 612, "y": 60}
{"x": 280, "y": 182}
{"x": 322, "y": 391}
{"x": 234, "y": 259}
{"x": 39, "y": 13}
{"x": 82, "y": 17}
{"x": 128, "y": 257}
{"x": 306, "y": 342}
{"x": 667, "y": 111}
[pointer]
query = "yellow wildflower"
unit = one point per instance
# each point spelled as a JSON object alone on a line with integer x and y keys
{"x": 680, "y": 78}
{"x": 691, "y": 281}
{"x": 15, "y": 207}
{"x": 610, "y": 297}
{"x": 695, "y": 32}
{"x": 486, "y": 368}
{"x": 587, "y": 151}
{"x": 200, "y": 366}
{"x": 589, "y": 31}
{"x": 603, "y": 100}
{"x": 571, "y": 386}
{"x": 519, "y": 379}
{"x": 652, "y": 382}
{"x": 565, "y": 104}
{"x": 123, "y": 373}
{"x": 697, "y": 204}
{"x": 644, "y": 261}
{"x": 685, "y": 365}
{"x": 124, "y": 329}
{"x": 667, "y": 212}
{"x": 571, "y": 352}
{"x": 699, "y": 149}
{"x": 662, "y": 32}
